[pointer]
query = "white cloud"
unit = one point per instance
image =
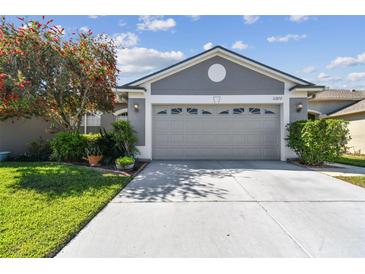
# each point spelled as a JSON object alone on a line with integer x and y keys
{"x": 125, "y": 40}
{"x": 355, "y": 76}
{"x": 309, "y": 69}
{"x": 346, "y": 61}
{"x": 194, "y": 17}
{"x": 323, "y": 77}
{"x": 286, "y": 38}
{"x": 137, "y": 61}
{"x": 298, "y": 18}
{"x": 250, "y": 19}
{"x": 122, "y": 23}
{"x": 239, "y": 45}
{"x": 84, "y": 29}
{"x": 155, "y": 23}
{"x": 208, "y": 45}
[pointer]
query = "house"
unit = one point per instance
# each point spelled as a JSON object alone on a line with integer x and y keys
{"x": 347, "y": 105}
{"x": 215, "y": 105}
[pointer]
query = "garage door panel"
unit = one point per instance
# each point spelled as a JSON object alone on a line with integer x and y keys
{"x": 215, "y": 135}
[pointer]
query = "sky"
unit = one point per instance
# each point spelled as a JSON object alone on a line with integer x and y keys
{"x": 327, "y": 50}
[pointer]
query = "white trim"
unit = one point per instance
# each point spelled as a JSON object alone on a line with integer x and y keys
{"x": 148, "y": 123}
{"x": 314, "y": 111}
{"x": 285, "y": 120}
{"x": 283, "y": 100}
{"x": 127, "y": 90}
{"x": 120, "y": 111}
{"x": 209, "y": 99}
{"x": 224, "y": 54}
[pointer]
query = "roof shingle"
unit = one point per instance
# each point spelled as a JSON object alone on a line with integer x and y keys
{"x": 338, "y": 94}
{"x": 354, "y": 108}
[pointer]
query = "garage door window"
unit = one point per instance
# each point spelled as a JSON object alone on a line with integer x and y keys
{"x": 176, "y": 110}
{"x": 238, "y": 110}
{"x": 162, "y": 111}
{"x": 255, "y": 110}
{"x": 267, "y": 111}
{"x": 192, "y": 110}
{"x": 205, "y": 112}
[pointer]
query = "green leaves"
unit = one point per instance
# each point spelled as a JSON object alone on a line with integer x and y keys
{"x": 318, "y": 141}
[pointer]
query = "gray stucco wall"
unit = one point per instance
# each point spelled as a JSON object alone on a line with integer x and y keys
{"x": 238, "y": 81}
{"x": 326, "y": 107}
{"x": 15, "y": 137}
{"x": 137, "y": 118}
{"x": 294, "y": 114}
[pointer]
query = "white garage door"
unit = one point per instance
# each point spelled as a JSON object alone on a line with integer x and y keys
{"x": 216, "y": 132}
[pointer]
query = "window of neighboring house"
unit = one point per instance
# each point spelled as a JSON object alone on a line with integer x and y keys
{"x": 123, "y": 116}
{"x": 255, "y": 110}
{"x": 176, "y": 110}
{"x": 92, "y": 120}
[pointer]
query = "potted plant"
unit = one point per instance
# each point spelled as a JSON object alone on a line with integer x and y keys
{"x": 93, "y": 154}
{"x": 4, "y": 155}
{"x": 125, "y": 163}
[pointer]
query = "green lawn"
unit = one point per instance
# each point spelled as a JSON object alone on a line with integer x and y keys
{"x": 356, "y": 180}
{"x": 351, "y": 160}
{"x": 44, "y": 205}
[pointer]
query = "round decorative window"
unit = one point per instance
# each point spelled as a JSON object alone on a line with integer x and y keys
{"x": 217, "y": 73}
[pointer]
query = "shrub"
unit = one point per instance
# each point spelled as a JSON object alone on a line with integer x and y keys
{"x": 125, "y": 138}
{"x": 68, "y": 147}
{"x": 108, "y": 147}
{"x": 92, "y": 144}
{"x": 39, "y": 150}
{"x": 124, "y": 162}
{"x": 318, "y": 141}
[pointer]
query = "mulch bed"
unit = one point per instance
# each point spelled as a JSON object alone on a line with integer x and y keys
{"x": 298, "y": 163}
{"x": 138, "y": 167}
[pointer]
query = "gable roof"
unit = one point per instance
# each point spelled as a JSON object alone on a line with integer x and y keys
{"x": 217, "y": 49}
{"x": 352, "y": 109}
{"x": 338, "y": 95}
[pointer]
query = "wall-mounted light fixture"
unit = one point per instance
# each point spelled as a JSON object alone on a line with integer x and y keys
{"x": 299, "y": 107}
{"x": 136, "y": 107}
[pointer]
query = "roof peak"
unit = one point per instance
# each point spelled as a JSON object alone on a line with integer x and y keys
{"x": 223, "y": 49}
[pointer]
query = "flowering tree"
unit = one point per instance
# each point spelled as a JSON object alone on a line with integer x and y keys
{"x": 42, "y": 74}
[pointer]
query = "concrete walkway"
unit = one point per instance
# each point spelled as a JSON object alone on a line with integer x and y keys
{"x": 334, "y": 169}
{"x": 228, "y": 209}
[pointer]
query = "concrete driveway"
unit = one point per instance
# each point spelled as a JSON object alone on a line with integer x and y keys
{"x": 228, "y": 209}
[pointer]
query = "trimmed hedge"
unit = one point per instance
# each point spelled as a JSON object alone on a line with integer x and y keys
{"x": 68, "y": 147}
{"x": 318, "y": 141}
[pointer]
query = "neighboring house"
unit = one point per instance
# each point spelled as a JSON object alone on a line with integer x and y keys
{"x": 215, "y": 105}
{"x": 16, "y": 134}
{"x": 342, "y": 104}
